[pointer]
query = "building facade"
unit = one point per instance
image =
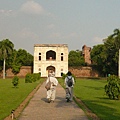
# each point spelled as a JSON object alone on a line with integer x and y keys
{"x": 50, "y": 58}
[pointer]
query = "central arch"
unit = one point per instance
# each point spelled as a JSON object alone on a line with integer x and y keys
{"x": 50, "y": 69}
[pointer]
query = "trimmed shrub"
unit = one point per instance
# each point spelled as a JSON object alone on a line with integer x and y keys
{"x": 29, "y": 78}
{"x": 15, "y": 81}
{"x": 64, "y": 76}
{"x": 112, "y": 88}
{"x": 36, "y": 76}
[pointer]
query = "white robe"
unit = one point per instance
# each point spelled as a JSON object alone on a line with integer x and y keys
{"x": 52, "y": 92}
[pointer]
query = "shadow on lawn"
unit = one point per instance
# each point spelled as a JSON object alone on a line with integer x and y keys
{"x": 103, "y": 111}
{"x": 95, "y": 88}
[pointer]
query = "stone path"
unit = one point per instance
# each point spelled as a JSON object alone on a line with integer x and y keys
{"x": 39, "y": 109}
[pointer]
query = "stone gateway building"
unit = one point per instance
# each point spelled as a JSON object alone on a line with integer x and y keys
{"x": 50, "y": 58}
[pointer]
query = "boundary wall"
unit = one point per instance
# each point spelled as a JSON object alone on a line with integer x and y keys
{"x": 77, "y": 71}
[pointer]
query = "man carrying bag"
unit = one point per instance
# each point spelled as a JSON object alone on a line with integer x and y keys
{"x": 51, "y": 92}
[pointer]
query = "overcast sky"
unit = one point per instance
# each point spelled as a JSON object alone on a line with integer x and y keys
{"x": 72, "y": 22}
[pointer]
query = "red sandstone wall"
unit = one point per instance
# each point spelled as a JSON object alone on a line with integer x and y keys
{"x": 78, "y": 72}
{"x": 23, "y": 71}
{"x": 83, "y": 72}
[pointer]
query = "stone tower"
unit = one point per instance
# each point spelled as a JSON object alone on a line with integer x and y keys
{"x": 86, "y": 53}
{"x": 50, "y": 58}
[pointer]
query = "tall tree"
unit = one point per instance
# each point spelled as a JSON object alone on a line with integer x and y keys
{"x": 6, "y": 48}
{"x": 75, "y": 58}
{"x": 112, "y": 45}
{"x": 99, "y": 60}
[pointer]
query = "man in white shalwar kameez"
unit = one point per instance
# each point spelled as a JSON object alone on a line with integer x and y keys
{"x": 52, "y": 92}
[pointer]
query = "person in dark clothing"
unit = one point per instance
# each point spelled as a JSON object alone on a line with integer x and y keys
{"x": 69, "y": 83}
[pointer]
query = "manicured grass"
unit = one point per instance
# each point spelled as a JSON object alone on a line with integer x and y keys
{"x": 92, "y": 93}
{"x": 11, "y": 97}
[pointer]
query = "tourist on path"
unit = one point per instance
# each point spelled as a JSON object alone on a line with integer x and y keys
{"x": 51, "y": 93}
{"x": 69, "y": 83}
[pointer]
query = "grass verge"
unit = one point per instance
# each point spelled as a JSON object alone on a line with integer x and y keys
{"x": 91, "y": 93}
{"x": 90, "y": 96}
{"x": 11, "y": 97}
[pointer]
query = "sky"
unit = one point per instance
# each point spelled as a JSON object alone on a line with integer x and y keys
{"x": 72, "y": 22}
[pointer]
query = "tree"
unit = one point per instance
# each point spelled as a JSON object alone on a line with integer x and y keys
{"x": 6, "y": 49}
{"x": 105, "y": 56}
{"x": 112, "y": 45}
{"x": 1, "y": 61}
{"x": 99, "y": 59}
{"x": 20, "y": 58}
{"x": 75, "y": 58}
{"x": 24, "y": 58}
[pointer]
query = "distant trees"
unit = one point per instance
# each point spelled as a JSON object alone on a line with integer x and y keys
{"x": 20, "y": 58}
{"x": 75, "y": 58}
{"x": 11, "y": 58}
{"x": 105, "y": 56}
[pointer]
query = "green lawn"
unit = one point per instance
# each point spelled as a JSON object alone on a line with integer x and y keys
{"x": 10, "y": 97}
{"x": 92, "y": 93}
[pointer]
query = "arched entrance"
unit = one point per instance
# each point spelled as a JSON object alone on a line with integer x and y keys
{"x": 50, "y": 69}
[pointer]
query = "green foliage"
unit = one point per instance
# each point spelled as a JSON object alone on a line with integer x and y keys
{"x": 105, "y": 56}
{"x": 20, "y": 58}
{"x": 75, "y": 58}
{"x": 14, "y": 59}
{"x": 36, "y": 76}
{"x": 24, "y": 58}
{"x": 6, "y": 48}
{"x": 91, "y": 92}
{"x": 112, "y": 88}
{"x": 29, "y": 78}
{"x": 16, "y": 68}
{"x": 99, "y": 58}
{"x": 65, "y": 75}
{"x": 15, "y": 81}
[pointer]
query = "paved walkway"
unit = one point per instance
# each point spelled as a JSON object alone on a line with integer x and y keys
{"x": 39, "y": 109}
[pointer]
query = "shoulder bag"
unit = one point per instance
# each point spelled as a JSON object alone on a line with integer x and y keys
{"x": 48, "y": 85}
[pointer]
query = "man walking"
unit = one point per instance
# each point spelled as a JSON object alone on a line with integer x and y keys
{"x": 52, "y": 91}
{"x": 69, "y": 83}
